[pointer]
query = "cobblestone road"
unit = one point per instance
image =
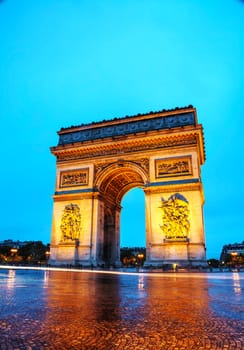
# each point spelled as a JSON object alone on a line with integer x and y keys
{"x": 81, "y": 310}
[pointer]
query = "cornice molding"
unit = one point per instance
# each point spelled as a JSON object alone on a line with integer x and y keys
{"x": 174, "y": 188}
{"x": 130, "y": 145}
{"x": 127, "y": 126}
{"x": 127, "y": 118}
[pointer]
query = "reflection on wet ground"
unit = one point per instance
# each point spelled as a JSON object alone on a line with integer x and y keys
{"x": 89, "y": 310}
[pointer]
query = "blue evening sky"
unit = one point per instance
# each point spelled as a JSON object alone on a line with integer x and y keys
{"x": 67, "y": 62}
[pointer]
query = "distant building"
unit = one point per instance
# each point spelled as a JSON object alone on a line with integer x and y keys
{"x": 13, "y": 244}
{"x": 133, "y": 250}
{"x": 231, "y": 249}
{"x": 133, "y": 255}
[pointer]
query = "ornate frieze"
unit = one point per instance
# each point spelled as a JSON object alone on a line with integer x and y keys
{"x": 176, "y": 223}
{"x": 126, "y": 128}
{"x": 112, "y": 149}
{"x": 70, "y": 223}
{"x": 72, "y": 178}
{"x": 143, "y": 163}
{"x": 173, "y": 166}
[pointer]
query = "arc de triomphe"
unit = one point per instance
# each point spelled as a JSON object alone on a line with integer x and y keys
{"x": 98, "y": 163}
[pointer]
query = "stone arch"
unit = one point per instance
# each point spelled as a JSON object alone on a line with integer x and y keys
{"x": 112, "y": 183}
{"x": 118, "y": 178}
{"x": 98, "y": 163}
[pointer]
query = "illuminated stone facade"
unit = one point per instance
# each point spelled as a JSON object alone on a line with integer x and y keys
{"x": 98, "y": 163}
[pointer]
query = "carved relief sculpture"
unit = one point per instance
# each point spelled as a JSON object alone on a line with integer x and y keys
{"x": 176, "y": 224}
{"x": 74, "y": 178}
{"x": 173, "y": 166}
{"x": 70, "y": 223}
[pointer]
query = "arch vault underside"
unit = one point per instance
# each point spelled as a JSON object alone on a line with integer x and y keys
{"x": 118, "y": 179}
{"x": 98, "y": 163}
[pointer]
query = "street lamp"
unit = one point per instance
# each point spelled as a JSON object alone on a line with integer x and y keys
{"x": 47, "y": 254}
{"x": 13, "y": 251}
{"x": 140, "y": 258}
{"x": 13, "y": 256}
{"x": 233, "y": 258}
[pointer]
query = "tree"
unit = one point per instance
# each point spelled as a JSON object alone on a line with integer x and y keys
{"x": 213, "y": 263}
{"x": 33, "y": 252}
{"x": 4, "y": 253}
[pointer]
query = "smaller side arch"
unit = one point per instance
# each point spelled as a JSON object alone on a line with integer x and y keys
{"x": 109, "y": 237}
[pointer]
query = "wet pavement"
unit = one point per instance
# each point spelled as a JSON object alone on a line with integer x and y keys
{"x": 88, "y": 310}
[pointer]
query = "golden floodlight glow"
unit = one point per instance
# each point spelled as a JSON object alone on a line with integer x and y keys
{"x": 13, "y": 250}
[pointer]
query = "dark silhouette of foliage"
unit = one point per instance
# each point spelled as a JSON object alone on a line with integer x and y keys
{"x": 213, "y": 263}
{"x": 34, "y": 252}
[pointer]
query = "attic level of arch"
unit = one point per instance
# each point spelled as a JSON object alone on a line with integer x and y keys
{"x": 133, "y": 144}
{"x": 177, "y": 128}
{"x": 144, "y": 124}
{"x": 127, "y": 117}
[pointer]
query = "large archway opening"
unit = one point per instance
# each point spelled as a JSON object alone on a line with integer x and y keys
{"x": 132, "y": 220}
{"x": 133, "y": 228}
{"x": 121, "y": 193}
